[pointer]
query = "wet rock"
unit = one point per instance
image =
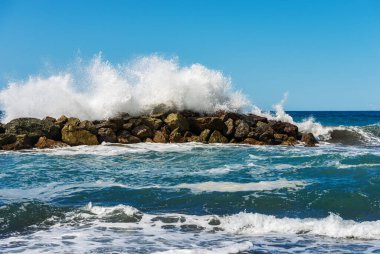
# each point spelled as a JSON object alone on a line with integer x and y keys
{"x": 107, "y": 124}
{"x": 2, "y": 129}
{"x": 280, "y": 137}
{"x": 61, "y": 121}
{"x": 176, "y": 120}
{"x": 193, "y": 139}
{"x": 290, "y": 141}
{"x": 197, "y": 125}
{"x": 88, "y": 126}
{"x": 204, "y": 136}
{"x": 309, "y": 139}
{"x": 50, "y": 119}
{"x": 148, "y": 140}
{"x": 176, "y": 136}
{"x": 154, "y": 123}
{"x": 255, "y": 119}
{"x": 127, "y": 126}
{"x": 23, "y": 141}
{"x": 6, "y": 139}
{"x": 252, "y": 141}
{"x": 284, "y": 128}
{"x": 230, "y": 127}
{"x": 74, "y": 136}
{"x": 242, "y": 130}
{"x": 107, "y": 135}
{"x": 126, "y": 138}
{"x": 217, "y": 137}
{"x": 142, "y": 132}
{"x": 33, "y": 128}
{"x": 160, "y": 137}
{"x": 44, "y": 142}
{"x": 224, "y": 116}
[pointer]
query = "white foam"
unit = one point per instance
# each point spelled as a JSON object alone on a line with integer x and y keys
{"x": 230, "y": 248}
{"x": 102, "y": 90}
{"x": 234, "y": 187}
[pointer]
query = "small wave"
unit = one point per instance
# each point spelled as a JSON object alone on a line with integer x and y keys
{"x": 230, "y": 248}
{"x": 234, "y": 187}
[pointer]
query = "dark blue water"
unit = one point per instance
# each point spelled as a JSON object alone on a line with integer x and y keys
{"x": 195, "y": 198}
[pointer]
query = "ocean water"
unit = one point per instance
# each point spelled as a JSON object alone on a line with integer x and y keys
{"x": 195, "y": 198}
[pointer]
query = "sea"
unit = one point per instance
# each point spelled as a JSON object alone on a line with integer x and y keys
{"x": 199, "y": 198}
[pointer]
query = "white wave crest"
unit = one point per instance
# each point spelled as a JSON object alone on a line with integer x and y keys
{"x": 102, "y": 90}
{"x": 233, "y": 187}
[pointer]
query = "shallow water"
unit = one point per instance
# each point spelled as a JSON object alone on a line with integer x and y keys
{"x": 191, "y": 198}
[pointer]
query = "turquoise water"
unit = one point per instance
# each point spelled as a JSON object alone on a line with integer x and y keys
{"x": 195, "y": 198}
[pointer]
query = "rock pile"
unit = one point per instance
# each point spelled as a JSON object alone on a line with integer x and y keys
{"x": 173, "y": 127}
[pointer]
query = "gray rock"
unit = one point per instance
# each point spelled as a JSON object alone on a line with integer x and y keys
{"x": 33, "y": 128}
{"x": 242, "y": 130}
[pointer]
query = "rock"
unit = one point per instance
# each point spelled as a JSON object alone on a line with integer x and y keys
{"x": 88, "y": 126}
{"x": 126, "y": 138}
{"x": 154, "y": 123}
{"x": 204, "y": 136}
{"x": 255, "y": 119}
{"x": 61, "y": 121}
{"x": 261, "y": 124}
{"x": 230, "y": 127}
{"x": 33, "y": 128}
{"x": 280, "y": 137}
{"x": 73, "y": 121}
{"x": 242, "y": 130}
{"x": 197, "y": 125}
{"x": 284, "y": 128}
{"x": 224, "y": 116}
{"x": 160, "y": 137}
{"x": 74, "y": 136}
{"x": 252, "y": 141}
{"x": 176, "y": 120}
{"x": 44, "y": 142}
{"x": 291, "y": 141}
{"x": 50, "y": 119}
{"x": 149, "y": 140}
{"x": 6, "y": 139}
{"x": 23, "y": 141}
{"x": 2, "y": 129}
{"x": 193, "y": 139}
{"x": 107, "y": 124}
{"x": 217, "y": 137}
{"x": 142, "y": 132}
{"x": 309, "y": 139}
{"x": 127, "y": 126}
{"x": 107, "y": 135}
{"x": 176, "y": 136}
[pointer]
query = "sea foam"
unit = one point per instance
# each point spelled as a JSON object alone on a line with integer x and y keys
{"x": 99, "y": 90}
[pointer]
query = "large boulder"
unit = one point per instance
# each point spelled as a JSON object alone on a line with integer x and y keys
{"x": 217, "y": 137}
{"x": 73, "y": 135}
{"x": 142, "y": 132}
{"x": 6, "y": 139}
{"x": 88, "y": 126}
{"x": 242, "y": 130}
{"x": 107, "y": 135}
{"x": 230, "y": 126}
{"x": 204, "y": 136}
{"x": 126, "y": 138}
{"x": 197, "y": 125}
{"x": 23, "y": 141}
{"x": 252, "y": 141}
{"x": 309, "y": 139}
{"x": 160, "y": 137}
{"x": 34, "y": 128}
{"x": 284, "y": 128}
{"x": 176, "y": 120}
{"x": 44, "y": 142}
{"x": 154, "y": 123}
{"x": 176, "y": 136}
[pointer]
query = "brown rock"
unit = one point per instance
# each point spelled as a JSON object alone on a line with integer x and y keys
{"x": 242, "y": 130}
{"x": 126, "y": 138}
{"x": 160, "y": 137}
{"x": 44, "y": 142}
{"x": 309, "y": 139}
{"x": 107, "y": 135}
{"x": 61, "y": 121}
{"x": 74, "y": 136}
{"x": 128, "y": 126}
{"x": 204, "y": 136}
{"x": 142, "y": 132}
{"x": 197, "y": 125}
{"x": 148, "y": 140}
{"x": 176, "y": 120}
{"x": 280, "y": 137}
{"x": 230, "y": 126}
{"x": 49, "y": 119}
{"x": 2, "y": 129}
{"x": 284, "y": 128}
{"x": 217, "y": 137}
{"x": 193, "y": 139}
{"x": 154, "y": 123}
{"x": 291, "y": 141}
{"x": 88, "y": 126}
{"x": 176, "y": 136}
{"x": 6, "y": 139}
{"x": 224, "y": 116}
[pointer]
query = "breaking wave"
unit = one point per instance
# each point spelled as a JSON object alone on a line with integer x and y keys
{"x": 99, "y": 90}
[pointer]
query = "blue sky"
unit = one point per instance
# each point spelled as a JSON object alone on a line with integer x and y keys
{"x": 326, "y": 54}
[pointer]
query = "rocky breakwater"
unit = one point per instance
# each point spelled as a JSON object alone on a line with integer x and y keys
{"x": 171, "y": 127}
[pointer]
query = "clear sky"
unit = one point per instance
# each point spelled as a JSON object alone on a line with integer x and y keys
{"x": 326, "y": 54}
